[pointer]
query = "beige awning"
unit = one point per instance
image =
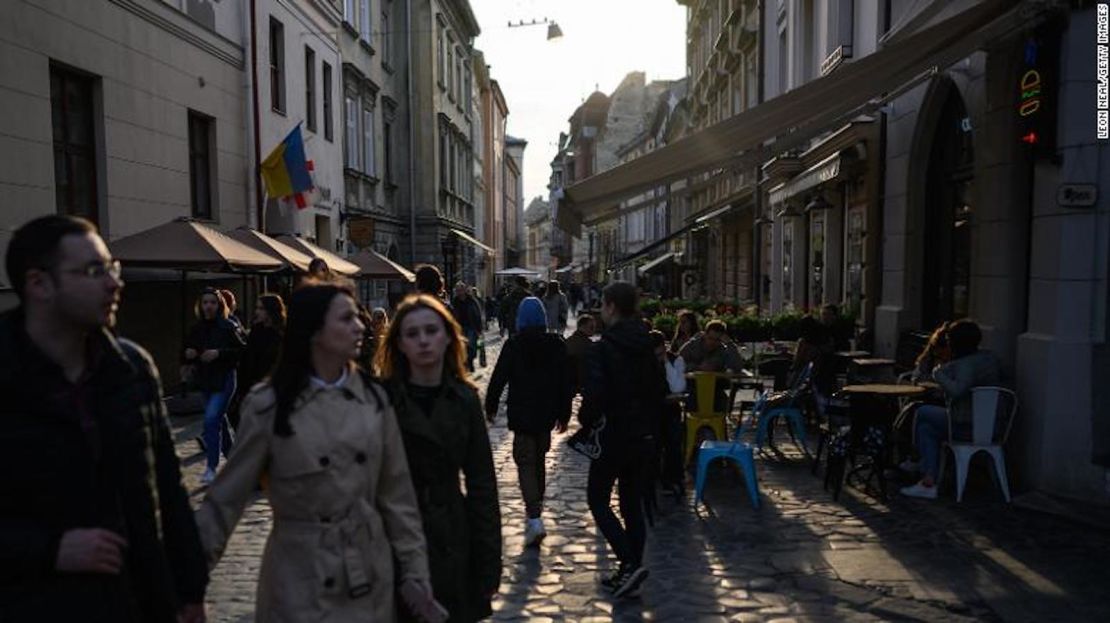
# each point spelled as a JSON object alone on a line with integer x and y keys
{"x": 474, "y": 241}
{"x": 374, "y": 265}
{"x": 292, "y": 258}
{"x": 789, "y": 120}
{"x": 185, "y": 244}
{"x": 658, "y": 262}
{"x": 334, "y": 262}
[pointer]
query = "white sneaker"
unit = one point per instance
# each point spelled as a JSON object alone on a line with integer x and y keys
{"x": 208, "y": 477}
{"x": 909, "y": 465}
{"x": 534, "y": 532}
{"x": 920, "y": 491}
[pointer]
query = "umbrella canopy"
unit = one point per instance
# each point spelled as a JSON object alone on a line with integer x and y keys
{"x": 374, "y": 265}
{"x": 292, "y": 258}
{"x": 334, "y": 262}
{"x": 516, "y": 270}
{"x": 185, "y": 244}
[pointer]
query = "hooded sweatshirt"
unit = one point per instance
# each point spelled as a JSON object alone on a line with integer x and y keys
{"x": 626, "y": 381}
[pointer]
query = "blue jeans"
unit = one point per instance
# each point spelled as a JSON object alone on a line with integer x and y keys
{"x": 217, "y": 433}
{"x": 930, "y": 430}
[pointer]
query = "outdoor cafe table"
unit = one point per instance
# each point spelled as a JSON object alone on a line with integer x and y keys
{"x": 873, "y": 407}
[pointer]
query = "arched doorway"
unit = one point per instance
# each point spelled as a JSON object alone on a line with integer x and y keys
{"x": 949, "y": 184}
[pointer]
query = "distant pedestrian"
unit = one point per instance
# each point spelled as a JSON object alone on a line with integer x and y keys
{"x": 96, "y": 524}
{"x": 511, "y": 301}
{"x": 557, "y": 307}
{"x": 627, "y": 382}
{"x": 429, "y": 280}
{"x": 468, "y": 313}
{"x": 578, "y": 344}
{"x": 233, "y": 312}
{"x": 319, "y": 270}
{"x": 535, "y": 367}
{"x": 377, "y": 325}
{"x": 261, "y": 353}
{"x": 212, "y": 350}
{"x": 325, "y": 441}
{"x": 424, "y": 364}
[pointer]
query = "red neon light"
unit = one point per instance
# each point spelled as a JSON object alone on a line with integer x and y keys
{"x": 1030, "y": 138}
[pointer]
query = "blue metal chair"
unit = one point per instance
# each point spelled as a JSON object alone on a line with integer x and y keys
{"x": 736, "y": 451}
{"x": 765, "y": 415}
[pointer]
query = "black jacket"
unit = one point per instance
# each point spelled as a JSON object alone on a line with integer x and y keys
{"x": 219, "y": 334}
{"x": 98, "y": 454}
{"x": 259, "y": 356}
{"x": 463, "y": 529}
{"x": 625, "y": 381}
{"x": 541, "y": 380}
{"x": 468, "y": 313}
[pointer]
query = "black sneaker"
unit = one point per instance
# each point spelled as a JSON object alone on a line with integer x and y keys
{"x": 629, "y": 579}
{"x": 610, "y": 583}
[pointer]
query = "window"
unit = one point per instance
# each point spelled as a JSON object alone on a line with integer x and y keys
{"x": 368, "y": 141}
{"x": 387, "y": 147}
{"x": 784, "y": 73}
{"x": 459, "y": 75}
{"x": 467, "y": 94}
{"x": 364, "y": 20}
{"x": 310, "y": 88}
{"x": 329, "y": 130}
{"x": 452, "y": 164}
{"x": 788, "y": 263}
{"x": 349, "y": 11}
{"x": 443, "y": 157}
{"x": 387, "y": 40}
{"x": 200, "y": 164}
{"x": 72, "y": 105}
{"x": 277, "y": 66}
{"x": 351, "y": 144}
{"x": 817, "y": 258}
{"x": 450, "y": 67}
{"x": 854, "y": 259}
{"x": 439, "y": 56}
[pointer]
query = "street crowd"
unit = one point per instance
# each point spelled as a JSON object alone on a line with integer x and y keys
{"x": 363, "y": 428}
{"x": 365, "y": 432}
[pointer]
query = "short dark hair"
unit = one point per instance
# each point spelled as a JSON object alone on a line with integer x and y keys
{"x": 35, "y": 245}
{"x": 585, "y": 319}
{"x": 429, "y": 280}
{"x": 623, "y": 296}
{"x": 657, "y": 338}
{"x": 964, "y": 337}
{"x": 716, "y": 326}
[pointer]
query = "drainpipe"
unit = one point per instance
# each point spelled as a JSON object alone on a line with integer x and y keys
{"x": 260, "y": 215}
{"x": 412, "y": 135}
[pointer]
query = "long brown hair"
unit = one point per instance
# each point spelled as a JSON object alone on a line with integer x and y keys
{"x": 936, "y": 340}
{"x": 391, "y": 363}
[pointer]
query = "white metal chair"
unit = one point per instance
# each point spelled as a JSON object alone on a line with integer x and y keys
{"x": 986, "y": 404}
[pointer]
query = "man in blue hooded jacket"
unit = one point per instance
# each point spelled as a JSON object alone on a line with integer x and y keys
{"x": 535, "y": 366}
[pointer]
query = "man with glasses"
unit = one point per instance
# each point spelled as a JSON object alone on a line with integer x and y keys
{"x": 95, "y": 524}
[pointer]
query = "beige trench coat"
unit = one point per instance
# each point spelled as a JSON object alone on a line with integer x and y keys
{"x": 342, "y": 499}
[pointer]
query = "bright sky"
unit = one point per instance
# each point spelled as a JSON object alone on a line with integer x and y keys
{"x": 545, "y": 81}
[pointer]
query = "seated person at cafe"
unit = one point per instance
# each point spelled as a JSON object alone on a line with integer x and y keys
{"x": 935, "y": 354}
{"x": 816, "y": 346}
{"x": 711, "y": 351}
{"x": 686, "y": 330}
{"x": 670, "y": 434}
{"x": 969, "y": 368}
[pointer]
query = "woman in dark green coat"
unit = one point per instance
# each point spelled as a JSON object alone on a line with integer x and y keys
{"x": 424, "y": 361}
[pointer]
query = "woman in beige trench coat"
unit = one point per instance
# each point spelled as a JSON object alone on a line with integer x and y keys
{"x": 325, "y": 442}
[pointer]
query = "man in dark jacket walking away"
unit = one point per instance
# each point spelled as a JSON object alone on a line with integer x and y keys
{"x": 468, "y": 313}
{"x": 626, "y": 382}
{"x": 511, "y": 302}
{"x": 95, "y": 524}
{"x": 534, "y": 365}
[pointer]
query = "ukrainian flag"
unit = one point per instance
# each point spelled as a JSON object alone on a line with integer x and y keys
{"x": 286, "y": 170}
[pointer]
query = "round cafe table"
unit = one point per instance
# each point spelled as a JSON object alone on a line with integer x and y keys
{"x": 891, "y": 390}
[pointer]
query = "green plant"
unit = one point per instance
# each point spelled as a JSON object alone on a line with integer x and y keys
{"x": 786, "y": 325}
{"x": 665, "y": 323}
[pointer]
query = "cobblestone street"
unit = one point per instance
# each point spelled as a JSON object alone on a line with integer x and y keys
{"x": 802, "y": 556}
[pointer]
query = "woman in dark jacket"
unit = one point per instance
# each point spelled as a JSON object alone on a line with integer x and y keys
{"x": 542, "y": 380}
{"x": 261, "y": 353}
{"x": 423, "y": 360}
{"x": 212, "y": 349}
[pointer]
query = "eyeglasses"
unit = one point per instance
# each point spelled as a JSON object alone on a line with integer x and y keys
{"x": 98, "y": 270}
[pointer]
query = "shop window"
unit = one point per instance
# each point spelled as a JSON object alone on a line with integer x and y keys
{"x": 817, "y": 258}
{"x": 788, "y": 263}
{"x": 854, "y": 259}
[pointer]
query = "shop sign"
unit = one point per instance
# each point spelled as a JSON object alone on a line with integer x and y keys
{"x": 1076, "y": 195}
{"x": 360, "y": 231}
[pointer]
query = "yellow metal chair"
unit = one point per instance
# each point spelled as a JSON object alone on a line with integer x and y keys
{"x": 705, "y": 423}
